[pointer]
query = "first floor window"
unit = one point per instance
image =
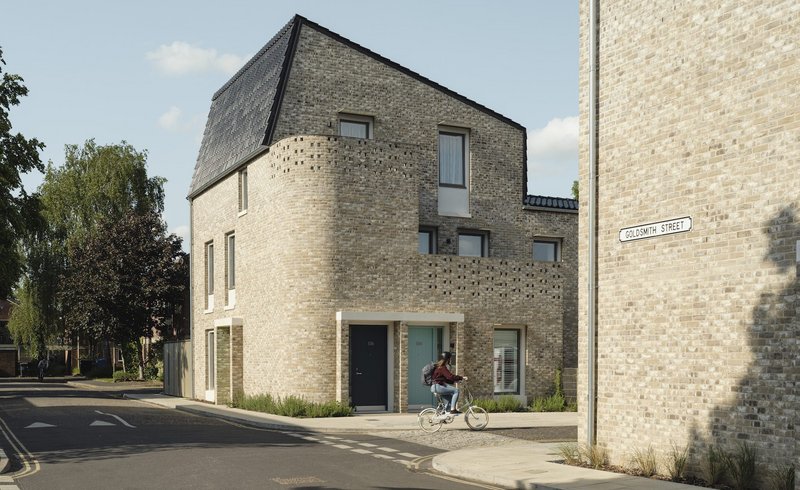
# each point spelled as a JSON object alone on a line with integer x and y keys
{"x": 210, "y": 275}
{"x": 546, "y": 250}
{"x": 506, "y": 366}
{"x": 473, "y": 244}
{"x": 230, "y": 265}
{"x": 427, "y": 240}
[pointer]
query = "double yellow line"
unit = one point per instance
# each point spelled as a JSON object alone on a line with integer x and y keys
{"x": 30, "y": 465}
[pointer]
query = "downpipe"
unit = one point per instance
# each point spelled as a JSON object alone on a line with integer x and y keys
{"x": 591, "y": 337}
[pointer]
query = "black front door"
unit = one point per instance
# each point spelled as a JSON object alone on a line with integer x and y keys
{"x": 368, "y": 366}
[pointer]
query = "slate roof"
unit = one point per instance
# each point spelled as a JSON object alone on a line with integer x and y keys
{"x": 557, "y": 203}
{"x": 243, "y": 112}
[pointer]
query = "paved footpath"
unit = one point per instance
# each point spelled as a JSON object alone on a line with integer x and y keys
{"x": 517, "y": 464}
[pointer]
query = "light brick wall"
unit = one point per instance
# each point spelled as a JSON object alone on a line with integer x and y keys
{"x": 332, "y": 226}
{"x": 697, "y": 332}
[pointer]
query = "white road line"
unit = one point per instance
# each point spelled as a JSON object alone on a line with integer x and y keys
{"x": 382, "y": 456}
{"x": 342, "y": 446}
{"x": 333, "y": 437}
{"x": 329, "y": 443}
{"x": 408, "y": 455}
{"x": 387, "y": 449}
{"x": 362, "y": 451}
{"x": 366, "y": 444}
{"x": 118, "y": 418}
{"x": 309, "y": 438}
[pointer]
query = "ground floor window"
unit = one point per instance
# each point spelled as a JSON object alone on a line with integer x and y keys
{"x": 506, "y": 361}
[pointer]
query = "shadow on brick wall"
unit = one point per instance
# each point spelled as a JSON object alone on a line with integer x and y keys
{"x": 764, "y": 410}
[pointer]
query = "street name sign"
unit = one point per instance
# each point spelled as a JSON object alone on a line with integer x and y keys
{"x": 660, "y": 228}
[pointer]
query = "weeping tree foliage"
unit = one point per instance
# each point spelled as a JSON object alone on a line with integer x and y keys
{"x": 124, "y": 280}
{"x": 18, "y": 155}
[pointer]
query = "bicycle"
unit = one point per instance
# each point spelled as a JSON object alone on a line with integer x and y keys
{"x": 432, "y": 419}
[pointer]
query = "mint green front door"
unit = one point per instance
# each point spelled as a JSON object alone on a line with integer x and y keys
{"x": 424, "y": 346}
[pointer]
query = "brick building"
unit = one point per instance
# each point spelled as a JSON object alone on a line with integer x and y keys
{"x": 351, "y": 219}
{"x": 696, "y": 226}
{"x": 8, "y": 350}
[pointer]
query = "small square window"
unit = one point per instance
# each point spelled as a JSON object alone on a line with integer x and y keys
{"x": 354, "y": 126}
{"x": 546, "y": 250}
{"x": 427, "y": 240}
{"x": 473, "y": 244}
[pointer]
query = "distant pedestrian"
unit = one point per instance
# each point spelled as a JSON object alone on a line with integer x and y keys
{"x": 42, "y": 368}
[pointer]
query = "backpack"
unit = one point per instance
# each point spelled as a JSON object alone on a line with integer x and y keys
{"x": 427, "y": 374}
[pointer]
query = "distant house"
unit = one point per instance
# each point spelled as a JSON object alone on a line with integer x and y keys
{"x": 352, "y": 219}
{"x": 8, "y": 351}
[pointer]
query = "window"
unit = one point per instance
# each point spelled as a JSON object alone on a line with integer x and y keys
{"x": 355, "y": 126}
{"x": 427, "y": 240}
{"x": 209, "y": 275}
{"x": 506, "y": 361}
{"x": 546, "y": 250}
{"x": 230, "y": 269}
{"x": 243, "y": 190}
{"x": 473, "y": 244}
{"x": 452, "y": 158}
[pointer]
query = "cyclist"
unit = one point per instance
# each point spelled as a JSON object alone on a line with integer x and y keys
{"x": 443, "y": 383}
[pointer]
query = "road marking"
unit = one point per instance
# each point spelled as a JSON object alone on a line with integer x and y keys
{"x": 362, "y": 451}
{"x": 408, "y": 455}
{"x": 342, "y": 446}
{"x": 309, "y": 438}
{"x": 29, "y": 463}
{"x": 387, "y": 449}
{"x": 118, "y": 418}
{"x": 366, "y": 444}
{"x": 39, "y": 425}
{"x": 349, "y": 441}
{"x": 333, "y": 437}
{"x": 298, "y": 480}
{"x": 101, "y": 423}
{"x": 382, "y": 456}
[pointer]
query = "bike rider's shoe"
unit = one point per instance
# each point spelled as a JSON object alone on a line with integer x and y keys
{"x": 455, "y": 412}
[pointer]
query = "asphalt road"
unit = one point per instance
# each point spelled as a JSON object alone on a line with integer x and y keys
{"x": 63, "y": 437}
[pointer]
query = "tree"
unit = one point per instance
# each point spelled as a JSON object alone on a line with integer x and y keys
{"x": 575, "y": 189}
{"x": 18, "y": 155}
{"x": 96, "y": 184}
{"x": 125, "y": 279}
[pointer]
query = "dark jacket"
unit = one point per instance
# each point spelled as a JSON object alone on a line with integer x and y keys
{"x": 442, "y": 375}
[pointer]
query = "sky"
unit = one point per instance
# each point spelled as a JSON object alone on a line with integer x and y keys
{"x": 144, "y": 72}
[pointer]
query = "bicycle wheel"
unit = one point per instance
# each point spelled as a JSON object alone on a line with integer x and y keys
{"x": 427, "y": 420}
{"x": 476, "y": 418}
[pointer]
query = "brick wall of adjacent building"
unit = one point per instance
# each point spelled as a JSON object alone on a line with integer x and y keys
{"x": 697, "y": 332}
{"x": 332, "y": 226}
